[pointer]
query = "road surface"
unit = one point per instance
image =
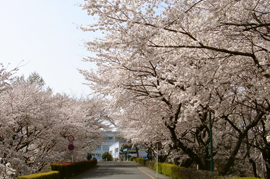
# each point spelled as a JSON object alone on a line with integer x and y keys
{"x": 120, "y": 170}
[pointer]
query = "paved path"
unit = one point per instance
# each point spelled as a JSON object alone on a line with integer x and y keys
{"x": 121, "y": 170}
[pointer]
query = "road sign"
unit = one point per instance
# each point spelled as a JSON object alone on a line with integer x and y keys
{"x": 71, "y": 147}
{"x": 70, "y": 138}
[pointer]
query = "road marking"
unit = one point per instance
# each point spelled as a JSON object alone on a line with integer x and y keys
{"x": 146, "y": 173}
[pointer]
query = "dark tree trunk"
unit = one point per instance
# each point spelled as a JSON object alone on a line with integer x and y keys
{"x": 187, "y": 163}
{"x": 149, "y": 154}
{"x": 137, "y": 151}
{"x": 175, "y": 161}
{"x": 253, "y": 167}
{"x": 162, "y": 158}
{"x": 241, "y": 137}
{"x": 267, "y": 171}
{"x": 266, "y": 157}
{"x": 178, "y": 144}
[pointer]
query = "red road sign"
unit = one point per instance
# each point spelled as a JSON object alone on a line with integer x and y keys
{"x": 71, "y": 147}
{"x": 70, "y": 138}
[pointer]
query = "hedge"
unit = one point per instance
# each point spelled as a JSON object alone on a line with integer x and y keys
{"x": 72, "y": 169}
{"x": 63, "y": 170}
{"x": 177, "y": 172}
{"x": 170, "y": 170}
{"x": 130, "y": 159}
{"x": 47, "y": 175}
{"x": 245, "y": 178}
{"x": 186, "y": 173}
{"x": 141, "y": 160}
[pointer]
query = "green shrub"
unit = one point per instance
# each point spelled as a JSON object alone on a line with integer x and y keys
{"x": 244, "y": 178}
{"x": 177, "y": 172}
{"x": 150, "y": 164}
{"x": 47, "y": 175}
{"x": 89, "y": 156}
{"x": 141, "y": 160}
{"x": 166, "y": 168}
{"x": 107, "y": 156}
{"x": 130, "y": 159}
{"x": 186, "y": 173}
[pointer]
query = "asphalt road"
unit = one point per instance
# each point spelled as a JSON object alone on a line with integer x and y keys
{"x": 120, "y": 170}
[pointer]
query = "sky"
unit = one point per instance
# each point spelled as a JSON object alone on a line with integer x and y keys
{"x": 43, "y": 36}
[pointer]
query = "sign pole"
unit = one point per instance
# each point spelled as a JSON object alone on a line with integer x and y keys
{"x": 72, "y": 158}
{"x": 71, "y": 146}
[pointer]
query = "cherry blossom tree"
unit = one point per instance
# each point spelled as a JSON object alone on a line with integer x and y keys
{"x": 35, "y": 124}
{"x": 5, "y": 78}
{"x": 167, "y": 64}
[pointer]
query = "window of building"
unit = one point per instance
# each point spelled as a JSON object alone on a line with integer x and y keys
{"x": 116, "y": 150}
{"x": 105, "y": 146}
{"x": 96, "y": 155}
{"x": 109, "y": 138}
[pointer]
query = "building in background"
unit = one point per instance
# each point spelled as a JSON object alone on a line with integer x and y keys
{"x": 113, "y": 144}
{"x": 115, "y": 151}
{"x": 123, "y": 154}
{"x": 131, "y": 152}
{"x": 111, "y": 138}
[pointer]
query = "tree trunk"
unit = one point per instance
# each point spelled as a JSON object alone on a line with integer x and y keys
{"x": 232, "y": 156}
{"x": 253, "y": 167}
{"x": 267, "y": 172}
{"x": 266, "y": 158}
{"x": 241, "y": 137}
{"x": 187, "y": 163}
{"x": 137, "y": 151}
{"x": 149, "y": 154}
{"x": 178, "y": 144}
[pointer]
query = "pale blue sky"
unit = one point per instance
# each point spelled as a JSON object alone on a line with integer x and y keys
{"x": 43, "y": 34}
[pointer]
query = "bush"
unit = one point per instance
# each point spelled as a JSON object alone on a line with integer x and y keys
{"x": 130, "y": 159}
{"x": 47, "y": 175}
{"x": 177, "y": 172}
{"x": 89, "y": 156}
{"x": 186, "y": 173}
{"x": 108, "y": 156}
{"x": 150, "y": 164}
{"x": 244, "y": 178}
{"x": 141, "y": 160}
{"x": 73, "y": 169}
{"x": 166, "y": 168}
